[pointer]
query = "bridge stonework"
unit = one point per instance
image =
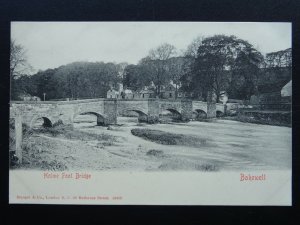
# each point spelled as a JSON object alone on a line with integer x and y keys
{"x": 211, "y": 110}
{"x": 106, "y": 110}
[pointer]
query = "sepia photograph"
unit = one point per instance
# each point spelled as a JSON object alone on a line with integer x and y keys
{"x": 152, "y": 99}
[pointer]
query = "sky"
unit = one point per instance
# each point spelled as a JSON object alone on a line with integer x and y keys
{"x": 52, "y": 44}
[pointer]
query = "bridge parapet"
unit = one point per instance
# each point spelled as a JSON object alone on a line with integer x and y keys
{"x": 60, "y": 102}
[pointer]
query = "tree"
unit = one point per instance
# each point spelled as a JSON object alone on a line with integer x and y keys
{"x": 18, "y": 60}
{"x": 277, "y": 70}
{"x": 176, "y": 67}
{"x": 192, "y": 49}
{"x": 85, "y": 79}
{"x": 18, "y": 68}
{"x": 121, "y": 68}
{"x": 157, "y": 63}
{"x": 246, "y": 71}
{"x": 281, "y": 59}
{"x": 137, "y": 76}
{"x": 217, "y": 57}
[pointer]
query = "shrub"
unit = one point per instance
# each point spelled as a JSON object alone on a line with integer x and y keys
{"x": 167, "y": 138}
{"x": 156, "y": 153}
{"x": 207, "y": 167}
{"x": 58, "y": 123}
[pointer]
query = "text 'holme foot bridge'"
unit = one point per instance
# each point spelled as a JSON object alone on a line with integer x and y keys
{"x": 108, "y": 110}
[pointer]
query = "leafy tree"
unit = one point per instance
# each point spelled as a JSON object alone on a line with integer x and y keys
{"x": 280, "y": 59}
{"x": 45, "y": 83}
{"x": 137, "y": 76}
{"x": 217, "y": 57}
{"x": 192, "y": 49}
{"x": 277, "y": 71}
{"x": 246, "y": 71}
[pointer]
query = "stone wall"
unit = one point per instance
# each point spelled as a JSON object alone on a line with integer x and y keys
{"x": 199, "y": 105}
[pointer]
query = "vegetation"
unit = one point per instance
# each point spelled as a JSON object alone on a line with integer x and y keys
{"x": 34, "y": 147}
{"x": 68, "y": 132}
{"x": 156, "y": 153}
{"x": 167, "y": 138}
{"x": 275, "y": 119}
{"x": 208, "y": 65}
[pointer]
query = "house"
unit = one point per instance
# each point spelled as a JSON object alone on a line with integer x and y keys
{"x": 127, "y": 94}
{"x": 168, "y": 91}
{"x": 286, "y": 91}
{"x": 111, "y": 93}
{"x": 28, "y": 97}
{"x": 146, "y": 93}
{"x": 279, "y": 98}
{"x": 223, "y": 97}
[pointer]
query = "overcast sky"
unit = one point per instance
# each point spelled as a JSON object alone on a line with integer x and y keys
{"x": 52, "y": 44}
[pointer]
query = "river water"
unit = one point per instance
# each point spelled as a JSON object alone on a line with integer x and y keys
{"x": 230, "y": 145}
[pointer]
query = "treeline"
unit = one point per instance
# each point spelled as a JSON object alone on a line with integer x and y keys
{"x": 75, "y": 80}
{"x": 215, "y": 64}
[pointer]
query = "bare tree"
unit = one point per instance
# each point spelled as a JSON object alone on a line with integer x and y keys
{"x": 162, "y": 52}
{"x": 18, "y": 60}
{"x": 176, "y": 69}
{"x": 121, "y": 68}
{"x": 157, "y": 60}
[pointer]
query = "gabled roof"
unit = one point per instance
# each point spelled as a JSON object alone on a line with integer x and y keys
{"x": 146, "y": 92}
{"x": 287, "y": 89}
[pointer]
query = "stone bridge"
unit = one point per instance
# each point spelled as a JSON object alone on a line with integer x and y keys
{"x": 107, "y": 110}
{"x": 208, "y": 110}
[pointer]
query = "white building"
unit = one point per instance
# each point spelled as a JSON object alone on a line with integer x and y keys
{"x": 113, "y": 94}
{"x": 286, "y": 91}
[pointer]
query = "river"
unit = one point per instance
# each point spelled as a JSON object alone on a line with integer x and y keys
{"x": 230, "y": 145}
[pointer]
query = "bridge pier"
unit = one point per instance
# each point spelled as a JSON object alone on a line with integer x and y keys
{"x": 153, "y": 111}
{"x": 187, "y": 110}
{"x": 211, "y": 110}
{"x": 211, "y": 105}
{"x": 110, "y": 110}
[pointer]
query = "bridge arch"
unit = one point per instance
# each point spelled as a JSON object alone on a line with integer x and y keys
{"x": 175, "y": 113}
{"x": 200, "y": 114}
{"x": 47, "y": 121}
{"x": 219, "y": 113}
{"x": 101, "y": 119}
{"x": 140, "y": 112}
{"x": 142, "y": 115}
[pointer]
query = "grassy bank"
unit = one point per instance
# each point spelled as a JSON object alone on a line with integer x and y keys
{"x": 37, "y": 148}
{"x": 68, "y": 132}
{"x": 167, "y": 138}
